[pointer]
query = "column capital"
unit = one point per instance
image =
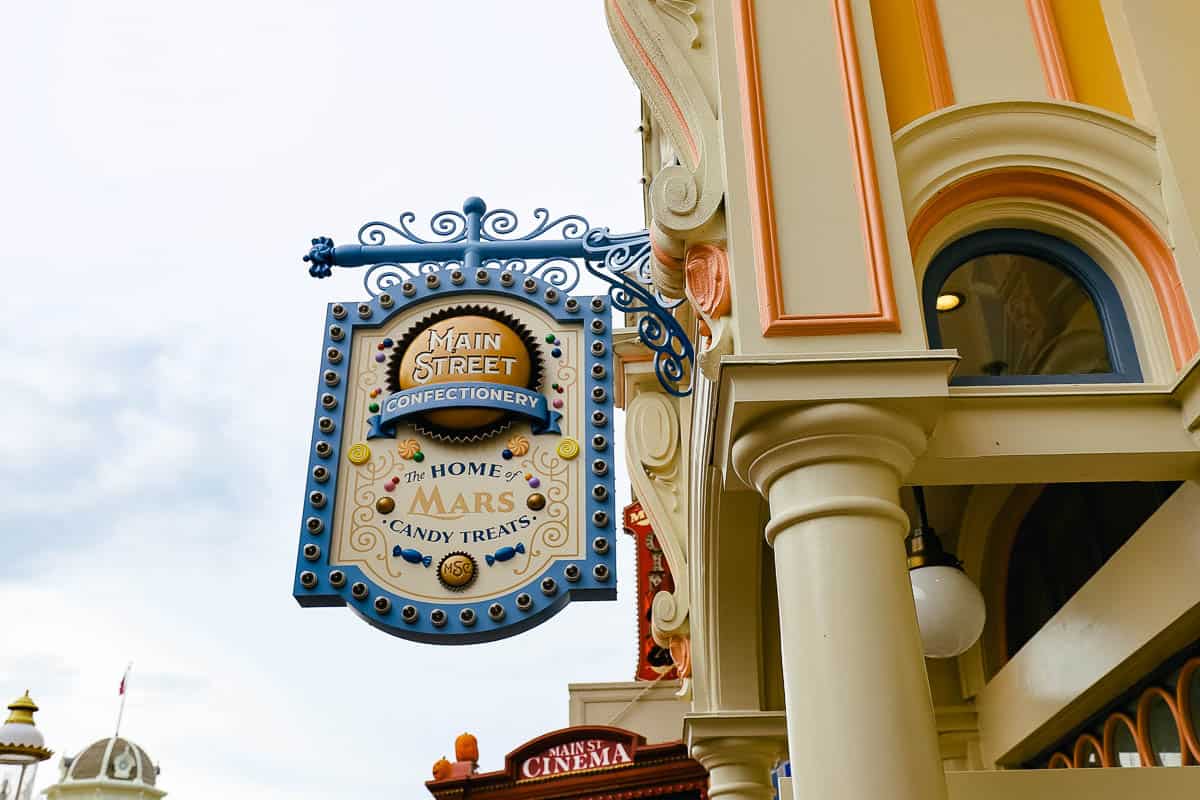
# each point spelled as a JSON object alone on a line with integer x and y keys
{"x": 782, "y": 441}
{"x": 720, "y": 738}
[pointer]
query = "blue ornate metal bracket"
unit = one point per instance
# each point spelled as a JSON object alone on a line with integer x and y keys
{"x": 476, "y": 238}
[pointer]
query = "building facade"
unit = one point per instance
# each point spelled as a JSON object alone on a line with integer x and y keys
{"x": 938, "y": 244}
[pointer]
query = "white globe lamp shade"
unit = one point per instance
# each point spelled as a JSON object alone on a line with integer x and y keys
{"x": 950, "y": 610}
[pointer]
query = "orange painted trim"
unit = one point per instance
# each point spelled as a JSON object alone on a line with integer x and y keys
{"x": 1049, "y": 46}
{"x": 1079, "y": 754}
{"x": 775, "y": 320}
{"x": 933, "y": 52}
{"x": 665, "y": 258}
{"x": 1145, "y": 746}
{"x": 1114, "y": 212}
{"x": 1060, "y": 761}
{"x": 1183, "y": 701}
{"x": 693, "y": 149}
{"x": 1111, "y": 757}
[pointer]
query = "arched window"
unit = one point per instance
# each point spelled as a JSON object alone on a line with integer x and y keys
{"x": 1024, "y": 307}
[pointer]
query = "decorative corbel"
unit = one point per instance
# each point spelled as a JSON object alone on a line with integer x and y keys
{"x": 658, "y": 474}
{"x": 706, "y": 272}
{"x": 661, "y": 43}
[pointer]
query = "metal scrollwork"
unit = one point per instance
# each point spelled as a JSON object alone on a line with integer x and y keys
{"x": 477, "y": 238}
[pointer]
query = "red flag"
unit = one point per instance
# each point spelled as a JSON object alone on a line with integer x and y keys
{"x": 124, "y": 678}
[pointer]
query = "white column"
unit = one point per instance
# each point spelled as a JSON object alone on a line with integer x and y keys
{"x": 859, "y": 715}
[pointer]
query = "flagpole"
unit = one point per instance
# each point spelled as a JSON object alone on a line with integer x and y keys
{"x": 121, "y": 710}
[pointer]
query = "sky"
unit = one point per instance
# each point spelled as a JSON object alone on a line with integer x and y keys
{"x": 164, "y": 166}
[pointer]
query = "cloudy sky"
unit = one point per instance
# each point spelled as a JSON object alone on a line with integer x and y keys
{"x": 164, "y": 166}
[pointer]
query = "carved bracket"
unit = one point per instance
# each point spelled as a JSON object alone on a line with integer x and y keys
{"x": 706, "y": 283}
{"x": 658, "y": 473}
{"x": 660, "y": 42}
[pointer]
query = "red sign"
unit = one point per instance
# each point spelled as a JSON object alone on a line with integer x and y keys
{"x": 587, "y": 754}
{"x": 653, "y": 576}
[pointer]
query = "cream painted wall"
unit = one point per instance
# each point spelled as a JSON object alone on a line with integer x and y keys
{"x": 822, "y": 244}
{"x": 991, "y": 51}
{"x": 1137, "y": 611}
{"x": 652, "y": 710}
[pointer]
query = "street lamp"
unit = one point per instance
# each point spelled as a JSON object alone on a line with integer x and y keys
{"x": 21, "y": 745}
{"x": 950, "y": 608}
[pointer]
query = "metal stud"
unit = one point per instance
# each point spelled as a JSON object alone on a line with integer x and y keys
{"x": 599, "y": 419}
{"x": 571, "y": 573}
{"x": 496, "y": 612}
{"x": 600, "y": 545}
{"x": 599, "y": 349}
{"x": 600, "y": 467}
{"x": 317, "y": 499}
{"x": 599, "y": 394}
{"x": 457, "y": 277}
{"x": 336, "y": 333}
{"x": 599, "y": 493}
{"x": 549, "y": 587}
{"x": 600, "y": 572}
{"x": 331, "y": 378}
{"x": 599, "y": 442}
{"x": 328, "y": 402}
{"x": 524, "y": 602}
{"x": 337, "y": 579}
{"x": 507, "y": 279}
{"x": 312, "y": 551}
{"x": 599, "y": 372}
{"x": 323, "y": 449}
{"x": 308, "y": 579}
{"x": 320, "y": 473}
{"x": 326, "y": 425}
{"x": 314, "y": 525}
{"x": 482, "y": 276}
{"x": 382, "y": 605}
{"x": 597, "y": 304}
{"x": 572, "y": 304}
{"x": 432, "y": 281}
{"x": 551, "y": 296}
{"x": 358, "y": 590}
{"x": 386, "y": 300}
{"x": 529, "y": 285}
{"x": 364, "y": 310}
{"x": 597, "y": 326}
{"x": 408, "y": 289}
{"x": 409, "y": 614}
{"x": 467, "y": 617}
{"x": 600, "y": 519}
{"x": 338, "y": 311}
{"x": 437, "y": 618}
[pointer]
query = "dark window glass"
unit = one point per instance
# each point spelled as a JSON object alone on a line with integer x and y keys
{"x": 1071, "y": 530}
{"x": 1021, "y": 315}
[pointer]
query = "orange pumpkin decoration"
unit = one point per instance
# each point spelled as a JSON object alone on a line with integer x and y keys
{"x": 466, "y": 748}
{"x": 441, "y": 769}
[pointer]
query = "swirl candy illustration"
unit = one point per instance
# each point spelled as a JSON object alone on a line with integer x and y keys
{"x": 518, "y": 445}
{"x": 412, "y": 556}
{"x": 568, "y": 448}
{"x": 359, "y": 453}
{"x": 408, "y": 447}
{"x": 504, "y": 554}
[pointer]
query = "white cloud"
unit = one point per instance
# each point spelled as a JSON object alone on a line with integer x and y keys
{"x": 170, "y": 163}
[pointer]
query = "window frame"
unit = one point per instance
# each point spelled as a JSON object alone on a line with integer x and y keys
{"x": 1118, "y": 336}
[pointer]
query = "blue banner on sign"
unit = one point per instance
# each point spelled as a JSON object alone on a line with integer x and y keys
{"x": 467, "y": 394}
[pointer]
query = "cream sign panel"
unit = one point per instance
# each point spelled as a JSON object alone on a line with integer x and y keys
{"x": 460, "y": 486}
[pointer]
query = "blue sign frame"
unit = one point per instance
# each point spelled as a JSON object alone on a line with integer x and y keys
{"x": 590, "y": 578}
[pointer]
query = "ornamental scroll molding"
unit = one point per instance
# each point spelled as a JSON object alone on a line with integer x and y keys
{"x": 662, "y": 45}
{"x": 658, "y": 473}
{"x": 706, "y": 274}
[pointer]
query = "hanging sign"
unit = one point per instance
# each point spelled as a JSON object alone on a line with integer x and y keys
{"x": 460, "y": 485}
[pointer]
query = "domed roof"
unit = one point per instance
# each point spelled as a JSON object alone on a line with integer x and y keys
{"x": 20, "y": 740}
{"x": 113, "y": 759}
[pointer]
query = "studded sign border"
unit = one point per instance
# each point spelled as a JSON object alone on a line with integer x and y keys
{"x": 317, "y": 583}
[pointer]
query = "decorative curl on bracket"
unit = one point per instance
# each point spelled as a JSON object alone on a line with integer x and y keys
{"x": 447, "y": 227}
{"x": 683, "y": 198}
{"x": 623, "y": 262}
{"x": 658, "y": 476}
{"x": 498, "y": 223}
